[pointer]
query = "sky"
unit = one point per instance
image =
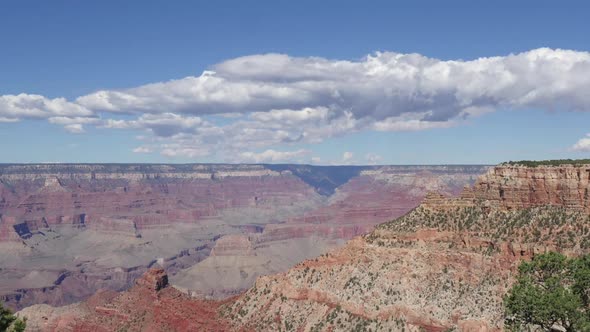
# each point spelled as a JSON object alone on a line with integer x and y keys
{"x": 317, "y": 82}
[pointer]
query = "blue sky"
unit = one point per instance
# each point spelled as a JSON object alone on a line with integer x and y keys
{"x": 267, "y": 109}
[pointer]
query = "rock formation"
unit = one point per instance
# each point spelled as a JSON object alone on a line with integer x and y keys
{"x": 521, "y": 187}
{"x": 443, "y": 266}
{"x": 151, "y": 305}
{"x": 81, "y": 227}
{"x": 154, "y": 279}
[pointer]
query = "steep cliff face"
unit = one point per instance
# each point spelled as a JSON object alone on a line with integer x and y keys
{"x": 101, "y": 225}
{"x": 521, "y": 187}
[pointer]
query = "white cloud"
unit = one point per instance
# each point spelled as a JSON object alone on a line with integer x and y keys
{"x": 292, "y": 117}
{"x": 583, "y": 144}
{"x": 8, "y": 120}
{"x": 373, "y": 158}
{"x": 14, "y": 108}
{"x": 174, "y": 150}
{"x": 379, "y": 86}
{"x": 74, "y": 128}
{"x": 74, "y": 125}
{"x": 165, "y": 124}
{"x": 142, "y": 149}
{"x": 271, "y": 156}
{"x": 347, "y": 156}
{"x": 64, "y": 120}
{"x": 28, "y": 106}
{"x": 411, "y": 122}
{"x": 275, "y": 100}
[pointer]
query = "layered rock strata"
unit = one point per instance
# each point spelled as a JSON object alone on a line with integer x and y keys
{"x": 517, "y": 187}
{"x": 70, "y": 229}
{"x": 444, "y": 266}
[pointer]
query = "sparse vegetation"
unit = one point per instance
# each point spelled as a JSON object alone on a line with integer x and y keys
{"x": 552, "y": 225}
{"x": 554, "y": 162}
{"x": 460, "y": 254}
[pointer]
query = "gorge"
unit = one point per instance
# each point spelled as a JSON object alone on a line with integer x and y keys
{"x": 443, "y": 266}
{"x": 68, "y": 230}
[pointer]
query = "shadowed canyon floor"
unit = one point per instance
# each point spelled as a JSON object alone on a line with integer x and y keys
{"x": 443, "y": 266}
{"x": 68, "y": 230}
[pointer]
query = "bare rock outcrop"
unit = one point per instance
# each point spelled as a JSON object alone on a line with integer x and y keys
{"x": 518, "y": 187}
{"x": 514, "y": 187}
{"x": 149, "y": 306}
{"x": 154, "y": 280}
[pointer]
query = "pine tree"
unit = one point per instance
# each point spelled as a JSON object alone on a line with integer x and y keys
{"x": 9, "y": 322}
{"x": 551, "y": 292}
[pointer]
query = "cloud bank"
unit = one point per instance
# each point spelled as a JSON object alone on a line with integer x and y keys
{"x": 275, "y": 100}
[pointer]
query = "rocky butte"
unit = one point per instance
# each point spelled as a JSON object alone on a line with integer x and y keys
{"x": 150, "y": 305}
{"x": 68, "y": 230}
{"x": 443, "y": 266}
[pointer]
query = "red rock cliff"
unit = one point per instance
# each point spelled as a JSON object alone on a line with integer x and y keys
{"x": 517, "y": 187}
{"x": 521, "y": 187}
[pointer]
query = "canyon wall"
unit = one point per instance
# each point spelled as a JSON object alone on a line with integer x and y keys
{"x": 445, "y": 265}
{"x": 521, "y": 187}
{"x": 70, "y": 229}
{"x": 518, "y": 187}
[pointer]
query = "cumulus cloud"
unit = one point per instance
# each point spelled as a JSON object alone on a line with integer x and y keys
{"x": 74, "y": 128}
{"x": 271, "y": 156}
{"x": 373, "y": 158}
{"x": 292, "y": 117}
{"x": 72, "y": 116}
{"x": 74, "y": 125}
{"x": 347, "y": 156}
{"x": 165, "y": 124}
{"x": 410, "y": 122}
{"x": 179, "y": 150}
{"x": 272, "y": 100}
{"x": 379, "y": 86}
{"x": 8, "y": 120}
{"x": 583, "y": 144}
{"x": 28, "y": 106}
{"x": 142, "y": 149}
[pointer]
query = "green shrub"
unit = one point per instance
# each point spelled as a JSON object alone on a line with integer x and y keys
{"x": 551, "y": 291}
{"x": 9, "y": 322}
{"x": 555, "y": 162}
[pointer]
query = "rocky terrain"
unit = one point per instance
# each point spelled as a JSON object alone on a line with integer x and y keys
{"x": 68, "y": 230}
{"x": 150, "y": 305}
{"x": 443, "y": 266}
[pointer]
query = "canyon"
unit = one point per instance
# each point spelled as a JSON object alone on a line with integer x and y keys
{"x": 70, "y": 230}
{"x": 445, "y": 265}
